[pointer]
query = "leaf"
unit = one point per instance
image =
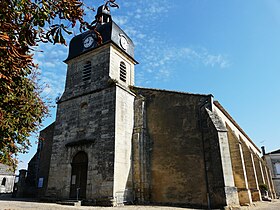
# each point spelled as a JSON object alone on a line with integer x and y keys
{"x": 21, "y": 27}
{"x": 56, "y": 36}
{"x": 61, "y": 38}
{"x": 67, "y": 31}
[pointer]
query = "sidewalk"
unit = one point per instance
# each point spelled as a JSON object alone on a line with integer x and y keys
{"x": 17, "y": 204}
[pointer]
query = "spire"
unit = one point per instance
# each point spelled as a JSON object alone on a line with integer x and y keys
{"x": 103, "y": 12}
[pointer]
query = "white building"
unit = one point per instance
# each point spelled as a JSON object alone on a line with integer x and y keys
{"x": 273, "y": 162}
{"x": 7, "y": 179}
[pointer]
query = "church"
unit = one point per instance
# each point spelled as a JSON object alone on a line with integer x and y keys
{"x": 113, "y": 143}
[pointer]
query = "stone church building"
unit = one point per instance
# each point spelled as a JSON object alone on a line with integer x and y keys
{"x": 115, "y": 143}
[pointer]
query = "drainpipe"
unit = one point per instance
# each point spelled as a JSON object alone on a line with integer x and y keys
{"x": 204, "y": 156}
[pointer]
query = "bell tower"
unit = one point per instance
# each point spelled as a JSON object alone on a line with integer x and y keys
{"x": 102, "y": 55}
{"x": 91, "y": 153}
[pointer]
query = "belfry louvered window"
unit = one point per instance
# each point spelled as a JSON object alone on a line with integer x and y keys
{"x": 122, "y": 71}
{"x": 87, "y": 71}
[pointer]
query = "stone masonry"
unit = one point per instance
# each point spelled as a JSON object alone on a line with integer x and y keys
{"x": 113, "y": 143}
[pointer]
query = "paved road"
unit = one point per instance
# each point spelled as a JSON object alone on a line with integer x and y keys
{"x": 274, "y": 205}
{"x": 31, "y": 205}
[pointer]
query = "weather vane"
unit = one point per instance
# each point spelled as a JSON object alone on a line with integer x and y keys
{"x": 111, "y": 3}
{"x": 103, "y": 12}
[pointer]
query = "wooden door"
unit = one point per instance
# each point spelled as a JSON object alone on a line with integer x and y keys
{"x": 78, "y": 183}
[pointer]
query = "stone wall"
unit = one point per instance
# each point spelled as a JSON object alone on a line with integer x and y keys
{"x": 222, "y": 191}
{"x": 86, "y": 123}
{"x": 141, "y": 152}
{"x": 249, "y": 170}
{"x": 100, "y": 63}
{"x": 123, "y": 135}
{"x": 30, "y": 189}
{"x": 94, "y": 115}
{"x": 173, "y": 147}
{"x": 239, "y": 170}
{"x": 276, "y": 182}
{"x": 116, "y": 57}
{"x": 44, "y": 151}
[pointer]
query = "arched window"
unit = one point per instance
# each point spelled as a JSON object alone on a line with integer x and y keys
{"x": 122, "y": 71}
{"x": 87, "y": 71}
{"x": 4, "y": 181}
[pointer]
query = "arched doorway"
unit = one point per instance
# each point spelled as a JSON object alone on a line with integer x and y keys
{"x": 79, "y": 175}
{"x": 4, "y": 181}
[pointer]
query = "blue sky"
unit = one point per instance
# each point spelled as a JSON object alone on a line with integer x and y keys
{"x": 229, "y": 49}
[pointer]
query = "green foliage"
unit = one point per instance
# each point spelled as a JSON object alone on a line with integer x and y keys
{"x": 21, "y": 112}
{"x": 263, "y": 187}
{"x": 24, "y": 24}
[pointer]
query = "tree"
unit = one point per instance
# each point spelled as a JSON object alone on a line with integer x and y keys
{"x": 24, "y": 24}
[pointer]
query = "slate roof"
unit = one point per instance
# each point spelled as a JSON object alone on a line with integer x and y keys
{"x": 170, "y": 91}
{"x": 275, "y": 152}
{"x": 217, "y": 104}
{"x": 110, "y": 34}
{"x": 4, "y": 170}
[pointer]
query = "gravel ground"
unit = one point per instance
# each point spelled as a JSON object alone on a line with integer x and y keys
{"x": 9, "y": 204}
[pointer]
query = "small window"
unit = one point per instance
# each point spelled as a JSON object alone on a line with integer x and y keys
{"x": 87, "y": 71}
{"x": 277, "y": 167}
{"x": 40, "y": 182}
{"x": 3, "y": 181}
{"x": 122, "y": 71}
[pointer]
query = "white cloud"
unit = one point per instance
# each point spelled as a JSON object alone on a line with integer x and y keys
{"x": 131, "y": 31}
{"x": 51, "y": 68}
{"x": 147, "y": 9}
{"x": 135, "y": 13}
{"x": 204, "y": 57}
{"x": 158, "y": 61}
{"x": 216, "y": 60}
{"x": 121, "y": 20}
{"x": 49, "y": 64}
{"x": 53, "y": 83}
{"x": 47, "y": 90}
{"x": 156, "y": 58}
{"x": 141, "y": 35}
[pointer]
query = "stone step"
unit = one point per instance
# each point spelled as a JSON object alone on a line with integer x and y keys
{"x": 70, "y": 202}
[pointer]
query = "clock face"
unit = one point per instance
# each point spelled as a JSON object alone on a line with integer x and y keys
{"x": 88, "y": 41}
{"x": 123, "y": 42}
